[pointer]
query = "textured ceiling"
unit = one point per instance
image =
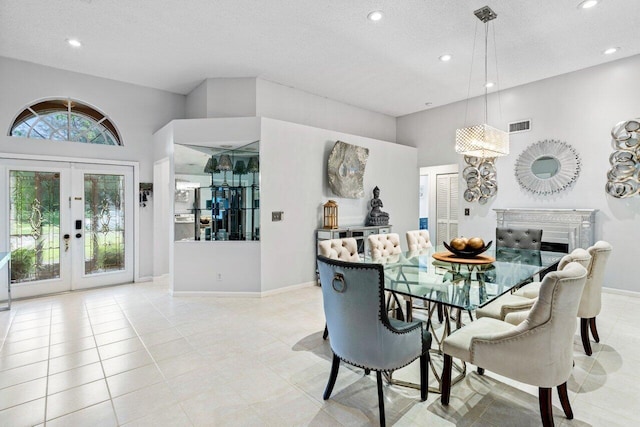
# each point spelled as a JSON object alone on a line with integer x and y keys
{"x": 325, "y": 47}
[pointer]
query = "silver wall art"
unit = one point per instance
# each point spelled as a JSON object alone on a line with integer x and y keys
{"x": 345, "y": 170}
{"x": 480, "y": 175}
{"x": 547, "y": 167}
{"x": 623, "y": 179}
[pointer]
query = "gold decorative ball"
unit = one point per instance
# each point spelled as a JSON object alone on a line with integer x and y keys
{"x": 475, "y": 243}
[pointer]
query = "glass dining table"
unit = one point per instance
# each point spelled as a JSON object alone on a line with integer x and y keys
{"x": 437, "y": 282}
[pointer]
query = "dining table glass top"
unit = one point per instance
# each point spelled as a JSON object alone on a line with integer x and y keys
{"x": 461, "y": 283}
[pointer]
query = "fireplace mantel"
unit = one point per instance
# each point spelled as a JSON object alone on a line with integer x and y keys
{"x": 574, "y": 227}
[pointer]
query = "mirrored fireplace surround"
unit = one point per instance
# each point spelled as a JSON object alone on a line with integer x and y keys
{"x": 573, "y": 227}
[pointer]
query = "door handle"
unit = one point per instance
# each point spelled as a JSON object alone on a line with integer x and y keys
{"x": 66, "y": 242}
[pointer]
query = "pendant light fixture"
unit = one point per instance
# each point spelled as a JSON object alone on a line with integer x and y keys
{"x": 482, "y": 140}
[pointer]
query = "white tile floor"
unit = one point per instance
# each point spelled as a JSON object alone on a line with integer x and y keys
{"x": 134, "y": 355}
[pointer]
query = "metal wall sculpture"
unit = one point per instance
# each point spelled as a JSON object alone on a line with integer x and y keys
{"x": 623, "y": 179}
{"x": 346, "y": 170}
{"x": 547, "y": 167}
{"x": 480, "y": 175}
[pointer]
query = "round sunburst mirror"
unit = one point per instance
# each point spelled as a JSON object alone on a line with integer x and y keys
{"x": 547, "y": 167}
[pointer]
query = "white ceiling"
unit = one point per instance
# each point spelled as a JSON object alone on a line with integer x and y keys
{"x": 325, "y": 47}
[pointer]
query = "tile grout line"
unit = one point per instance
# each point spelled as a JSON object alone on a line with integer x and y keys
{"x": 46, "y": 388}
{"x": 4, "y": 339}
{"x": 104, "y": 374}
{"x": 155, "y": 363}
{"x": 102, "y": 367}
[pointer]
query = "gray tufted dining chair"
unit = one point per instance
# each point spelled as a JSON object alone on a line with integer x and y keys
{"x": 538, "y": 351}
{"x": 518, "y": 238}
{"x": 362, "y": 334}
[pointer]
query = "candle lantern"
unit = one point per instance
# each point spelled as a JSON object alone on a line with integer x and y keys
{"x": 330, "y": 215}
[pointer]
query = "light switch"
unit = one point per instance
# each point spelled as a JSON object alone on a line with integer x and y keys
{"x": 466, "y": 211}
{"x": 277, "y": 216}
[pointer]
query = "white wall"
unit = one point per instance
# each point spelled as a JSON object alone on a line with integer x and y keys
{"x": 579, "y": 108}
{"x": 223, "y": 97}
{"x": 232, "y": 97}
{"x": 196, "y": 102}
{"x": 229, "y": 266}
{"x": 280, "y": 102}
{"x": 244, "y": 97}
{"x": 136, "y": 111}
{"x": 192, "y": 266}
{"x": 293, "y": 179}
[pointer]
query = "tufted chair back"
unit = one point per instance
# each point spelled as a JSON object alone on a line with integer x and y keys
{"x": 591, "y": 298}
{"x": 518, "y": 238}
{"x": 418, "y": 239}
{"x": 361, "y": 332}
{"x": 579, "y": 255}
{"x": 383, "y": 245}
{"x": 343, "y": 249}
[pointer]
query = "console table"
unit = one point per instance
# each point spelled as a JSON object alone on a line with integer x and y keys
{"x": 358, "y": 232}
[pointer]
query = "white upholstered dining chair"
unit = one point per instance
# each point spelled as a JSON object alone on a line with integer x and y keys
{"x": 515, "y": 305}
{"x": 383, "y": 245}
{"x": 343, "y": 249}
{"x": 538, "y": 351}
{"x": 595, "y": 259}
{"x": 418, "y": 239}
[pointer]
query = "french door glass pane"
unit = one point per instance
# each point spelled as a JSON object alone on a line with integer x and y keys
{"x": 103, "y": 223}
{"x": 34, "y": 225}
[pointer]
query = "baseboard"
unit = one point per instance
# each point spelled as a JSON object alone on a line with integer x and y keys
{"x": 228, "y": 294}
{"x": 217, "y": 294}
{"x": 144, "y": 279}
{"x": 288, "y": 288}
{"x": 624, "y": 292}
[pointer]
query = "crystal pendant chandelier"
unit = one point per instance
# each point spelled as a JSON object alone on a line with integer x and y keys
{"x": 482, "y": 140}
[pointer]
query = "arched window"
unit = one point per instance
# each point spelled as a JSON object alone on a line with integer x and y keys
{"x": 65, "y": 120}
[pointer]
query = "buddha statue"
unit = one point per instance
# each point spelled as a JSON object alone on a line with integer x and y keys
{"x": 376, "y": 216}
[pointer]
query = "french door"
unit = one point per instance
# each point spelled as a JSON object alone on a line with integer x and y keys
{"x": 69, "y": 225}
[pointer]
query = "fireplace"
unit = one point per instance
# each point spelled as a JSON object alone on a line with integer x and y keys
{"x": 563, "y": 230}
{"x": 554, "y": 246}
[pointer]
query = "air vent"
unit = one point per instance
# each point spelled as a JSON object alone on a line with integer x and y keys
{"x": 517, "y": 127}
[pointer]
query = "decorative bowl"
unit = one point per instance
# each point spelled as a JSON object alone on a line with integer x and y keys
{"x": 467, "y": 253}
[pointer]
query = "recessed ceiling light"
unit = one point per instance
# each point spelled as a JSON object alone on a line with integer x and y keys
{"x": 587, "y": 4}
{"x": 74, "y": 42}
{"x": 489, "y": 84}
{"x": 376, "y": 15}
{"x": 446, "y": 57}
{"x": 428, "y": 104}
{"x": 611, "y": 50}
